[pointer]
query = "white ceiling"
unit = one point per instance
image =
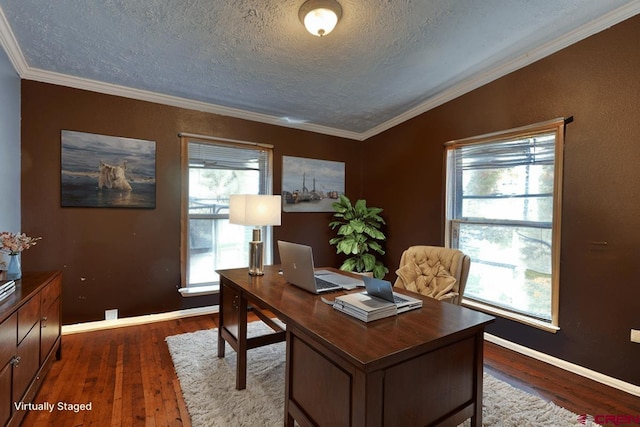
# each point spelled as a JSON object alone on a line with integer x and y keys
{"x": 386, "y": 61}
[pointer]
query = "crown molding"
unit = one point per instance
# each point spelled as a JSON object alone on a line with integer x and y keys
{"x": 496, "y": 71}
{"x": 10, "y": 44}
{"x": 159, "y": 98}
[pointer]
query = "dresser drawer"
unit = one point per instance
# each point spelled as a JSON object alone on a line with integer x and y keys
{"x": 6, "y": 405}
{"x": 8, "y": 338}
{"x": 28, "y": 355}
{"x": 28, "y": 315}
{"x": 51, "y": 292}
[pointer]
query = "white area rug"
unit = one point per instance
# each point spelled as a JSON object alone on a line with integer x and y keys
{"x": 208, "y": 387}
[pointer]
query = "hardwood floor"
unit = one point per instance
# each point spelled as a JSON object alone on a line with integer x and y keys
{"x": 127, "y": 376}
{"x": 570, "y": 391}
{"x": 125, "y": 373}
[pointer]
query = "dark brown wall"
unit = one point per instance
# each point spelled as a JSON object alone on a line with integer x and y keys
{"x": 129, "y": 258}
{"x": 597, "y": 82}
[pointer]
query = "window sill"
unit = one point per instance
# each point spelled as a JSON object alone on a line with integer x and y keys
{"x": 196, "y": 291}
{"x": 545, "y": 326}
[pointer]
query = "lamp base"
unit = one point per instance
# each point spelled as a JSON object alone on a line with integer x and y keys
{"x": 256, "y": 255}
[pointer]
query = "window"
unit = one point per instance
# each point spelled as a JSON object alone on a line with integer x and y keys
{"x": 503, "y": 209}
{"x": 212, "y": 170}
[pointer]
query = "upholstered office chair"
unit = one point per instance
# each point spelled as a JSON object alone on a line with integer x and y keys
{"x": 434, "y": 271}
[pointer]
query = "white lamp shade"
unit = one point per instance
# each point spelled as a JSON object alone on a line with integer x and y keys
{"x": 320, "y": 22}
{"x": 254, "y": 209}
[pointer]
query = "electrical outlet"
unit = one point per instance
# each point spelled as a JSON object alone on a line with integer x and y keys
{"x": 111, "y": 314}
{"x": 635, "y": 335}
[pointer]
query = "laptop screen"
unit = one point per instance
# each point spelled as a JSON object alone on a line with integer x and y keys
{"x": 378, "y": 288}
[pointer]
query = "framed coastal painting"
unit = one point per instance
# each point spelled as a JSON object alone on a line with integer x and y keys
{"x": 100, "y": 171}
{"x": 311, "y": 185}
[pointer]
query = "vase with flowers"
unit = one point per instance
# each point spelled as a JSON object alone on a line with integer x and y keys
{"x": 13, "y": 244}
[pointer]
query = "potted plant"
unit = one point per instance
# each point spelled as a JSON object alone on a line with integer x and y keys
{"x": 359, "y": 236}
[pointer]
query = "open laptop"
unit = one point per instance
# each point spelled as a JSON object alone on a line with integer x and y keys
{"x": 382, "y": 289}
{"x": 298, "y": 269}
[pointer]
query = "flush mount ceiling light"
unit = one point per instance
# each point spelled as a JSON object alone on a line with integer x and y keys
{"x": 320, "y": 16}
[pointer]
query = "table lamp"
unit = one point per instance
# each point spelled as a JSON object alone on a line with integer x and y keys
{"x": 257, "y": 210}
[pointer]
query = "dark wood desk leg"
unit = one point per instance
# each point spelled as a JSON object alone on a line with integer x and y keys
{"x": 476, "y": 419}
{"x": 288, "y": 419}
{"x": 221, "y": 322}
{"x": 241, "y": 366}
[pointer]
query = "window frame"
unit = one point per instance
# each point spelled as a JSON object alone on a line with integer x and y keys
{"x": 185, "y": 139}
{"x": 556, "y": 126}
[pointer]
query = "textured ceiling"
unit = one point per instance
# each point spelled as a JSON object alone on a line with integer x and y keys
{"x": 386, "y": 59}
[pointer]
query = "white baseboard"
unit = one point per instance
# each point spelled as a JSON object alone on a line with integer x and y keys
{"x": 567, "y": 366}
{"x": 195, "y": 291}
{"x": 199, "y": 311}
{"x": 138, "y": 320}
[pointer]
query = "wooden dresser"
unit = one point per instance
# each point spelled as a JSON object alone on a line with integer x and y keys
{"x": 30, "y": 339}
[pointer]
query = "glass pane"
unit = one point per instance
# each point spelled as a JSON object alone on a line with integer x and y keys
{"x": 519, "y": 193}
{"x": 510, "y": 267}
{"x": 215, "y": 185}
{"x": 214, "y": 243}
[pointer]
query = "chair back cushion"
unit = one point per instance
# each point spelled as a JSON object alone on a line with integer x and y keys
{"x": 431, "y": 270}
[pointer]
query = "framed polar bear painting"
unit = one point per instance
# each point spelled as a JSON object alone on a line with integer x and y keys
{"x": 100, "y": 171}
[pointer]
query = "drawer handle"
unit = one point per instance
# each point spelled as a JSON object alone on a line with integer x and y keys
{"x": 44, "y": 318}
{"x": 15, "y": 361}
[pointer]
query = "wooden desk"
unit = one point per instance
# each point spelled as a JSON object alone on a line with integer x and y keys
{"x": 419, "y": 368}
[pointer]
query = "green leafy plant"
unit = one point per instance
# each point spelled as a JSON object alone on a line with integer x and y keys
{"x": 359, "y": 236}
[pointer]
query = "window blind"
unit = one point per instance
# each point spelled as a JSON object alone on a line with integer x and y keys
{"x": 223, "y": 156}
{"x": 536, "y": 150}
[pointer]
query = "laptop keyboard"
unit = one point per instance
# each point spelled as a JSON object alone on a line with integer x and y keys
{"x": 398, "y": 299}
{"x": 323, "y": 284}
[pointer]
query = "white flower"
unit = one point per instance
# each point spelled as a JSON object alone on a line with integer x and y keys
{"x": 14, "y": 243}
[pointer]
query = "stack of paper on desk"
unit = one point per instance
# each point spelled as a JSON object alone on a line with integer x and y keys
{"x": 6, "y": 288}
{"x": 364, "y": 307}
